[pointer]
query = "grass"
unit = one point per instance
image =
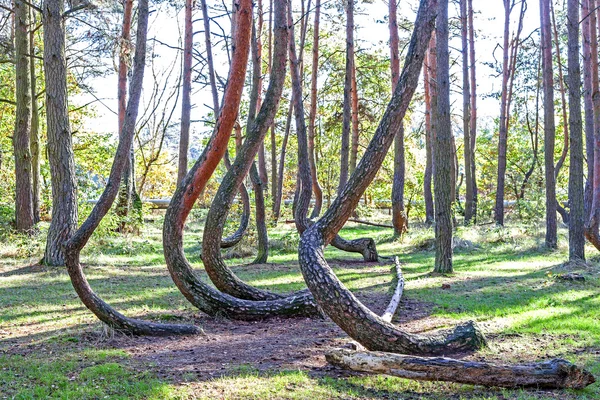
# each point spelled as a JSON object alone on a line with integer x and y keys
{"x": 51, "y": 347}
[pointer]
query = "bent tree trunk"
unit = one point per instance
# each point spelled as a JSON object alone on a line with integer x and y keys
{"x": 237, "y": 236}
{"x": 200, "y": 294}
{"x": 335, "y": 299}
{"x": 60, "y": 146}
{"x": 553, "y": 374}
{"x": 92, "y": 301}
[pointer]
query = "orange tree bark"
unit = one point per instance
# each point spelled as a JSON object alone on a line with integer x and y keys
{"x": 77, "y": 242}
{"x": 334, "y": 298}
{"x": 576, "y": 220}
{"x": 200, "y": 294}
{"x": 549, "y": 125}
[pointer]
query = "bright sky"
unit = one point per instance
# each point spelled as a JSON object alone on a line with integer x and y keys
{"x": 489, "y": 21}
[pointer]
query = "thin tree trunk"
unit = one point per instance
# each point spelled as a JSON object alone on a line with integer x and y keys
{"x": 563, "y": 100}
{"x": 316, "y": 188}
{"x": 186, "y": 91}
{"x": 468, "y": 154}
{"x": 21, "y": 139}
{"x": 443, "y": 148}
{"x": 336, "y": 300}
{"x": 429, "y": 78}
{"x": 549, "y": 126}
{"x": 59, "y": 145}
{"x": 354, "y": 106}
{"x": 399, "y": 219}
{"x": 576, "y": 217}
{"x": 473, "y": 117}
{"x": 35, "y": 125}
{"x": 588, "y": 106}
{"x": 347, "y": 108}
{"x": 286, "y": 135}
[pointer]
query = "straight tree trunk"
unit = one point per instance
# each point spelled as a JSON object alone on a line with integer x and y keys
{"x": 286, "y": 135}
{"x": 576, "y": 220}
{"x": 125, "y": 197}
{"x": 317, "y": 191}
{"x": 354, "y": 104}
{"x": 468, "y": 154}
{"x": 347, "y": 108}
{"x": 473, "y": 117}
{"x": 21, "y": 139}
{"x": 549, "y": 126}
{"x": 502, "y": 131}
{"x": 35, "y": 125}
{"x": 186, "y": 91}
{"x": 588, "y": 107}
{"x": 443, "y": 148}
{"x": 59, "y": 145}
{"x": 399, "y": 219}
{"x": 429, "y": 79}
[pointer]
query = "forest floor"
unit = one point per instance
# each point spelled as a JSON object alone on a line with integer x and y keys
{"x": 52, "y": 347}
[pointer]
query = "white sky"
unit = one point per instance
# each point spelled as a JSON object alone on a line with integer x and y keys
{"x": 489, "y": 21}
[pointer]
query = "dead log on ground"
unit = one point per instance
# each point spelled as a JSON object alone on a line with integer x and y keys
{"x": 395, "y": 301}
{"x": 553, "y": 374}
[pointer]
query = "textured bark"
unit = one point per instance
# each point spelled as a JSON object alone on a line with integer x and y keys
{"x": 338, "y": 302}
{"x": 473, "y": 118}
{"x": 549, "y": 125}
{"x": 591, "y": 229}
{"x": 347, "y": 107}
{"x": 186, "y": 91}
{"x": 364, "y": 246}
{"x": 259, "y": 217}
{"x": 24, "y": 219}
{"x": 399, "y": 219}
{"x": 125, "y": 196}
{"x": 468, "y": 154}
{"x": 588, "y": 107}
{"x": 59, "y": 145}
{"x": 553, "y": 374}
{"x": 428, "y": 75}
{"x": 443, "y": 177}
{"x": 354, "y": 109}
{"x": 504, "y": 113}
{"x": 77, "y": 242}
{"x": 316, "y": 188}
{"x": 35, "y": 126}
{"x": 238, "y": 235}
{"x": 576, "y": 215}
{"x": 202, "y": 295}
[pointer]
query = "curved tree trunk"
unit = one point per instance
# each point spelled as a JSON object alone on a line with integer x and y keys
{"x": 200, "y": 294}
{"x": 443, "y": 144}
{"x": 237, "y": 236}
{"x": 53, "y": 18}
{"x": 549, "y": 125}
{"x": 60, "y": 146}
{"x": 21, "y": 139}
{"x": 338, "y": 302}
{"x": 576, "y": 215}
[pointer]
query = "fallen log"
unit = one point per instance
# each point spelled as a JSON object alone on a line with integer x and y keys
{"x": 360, "y": 221}
{"x": 389, "y": 312}
{"x": 553, "y": 374}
